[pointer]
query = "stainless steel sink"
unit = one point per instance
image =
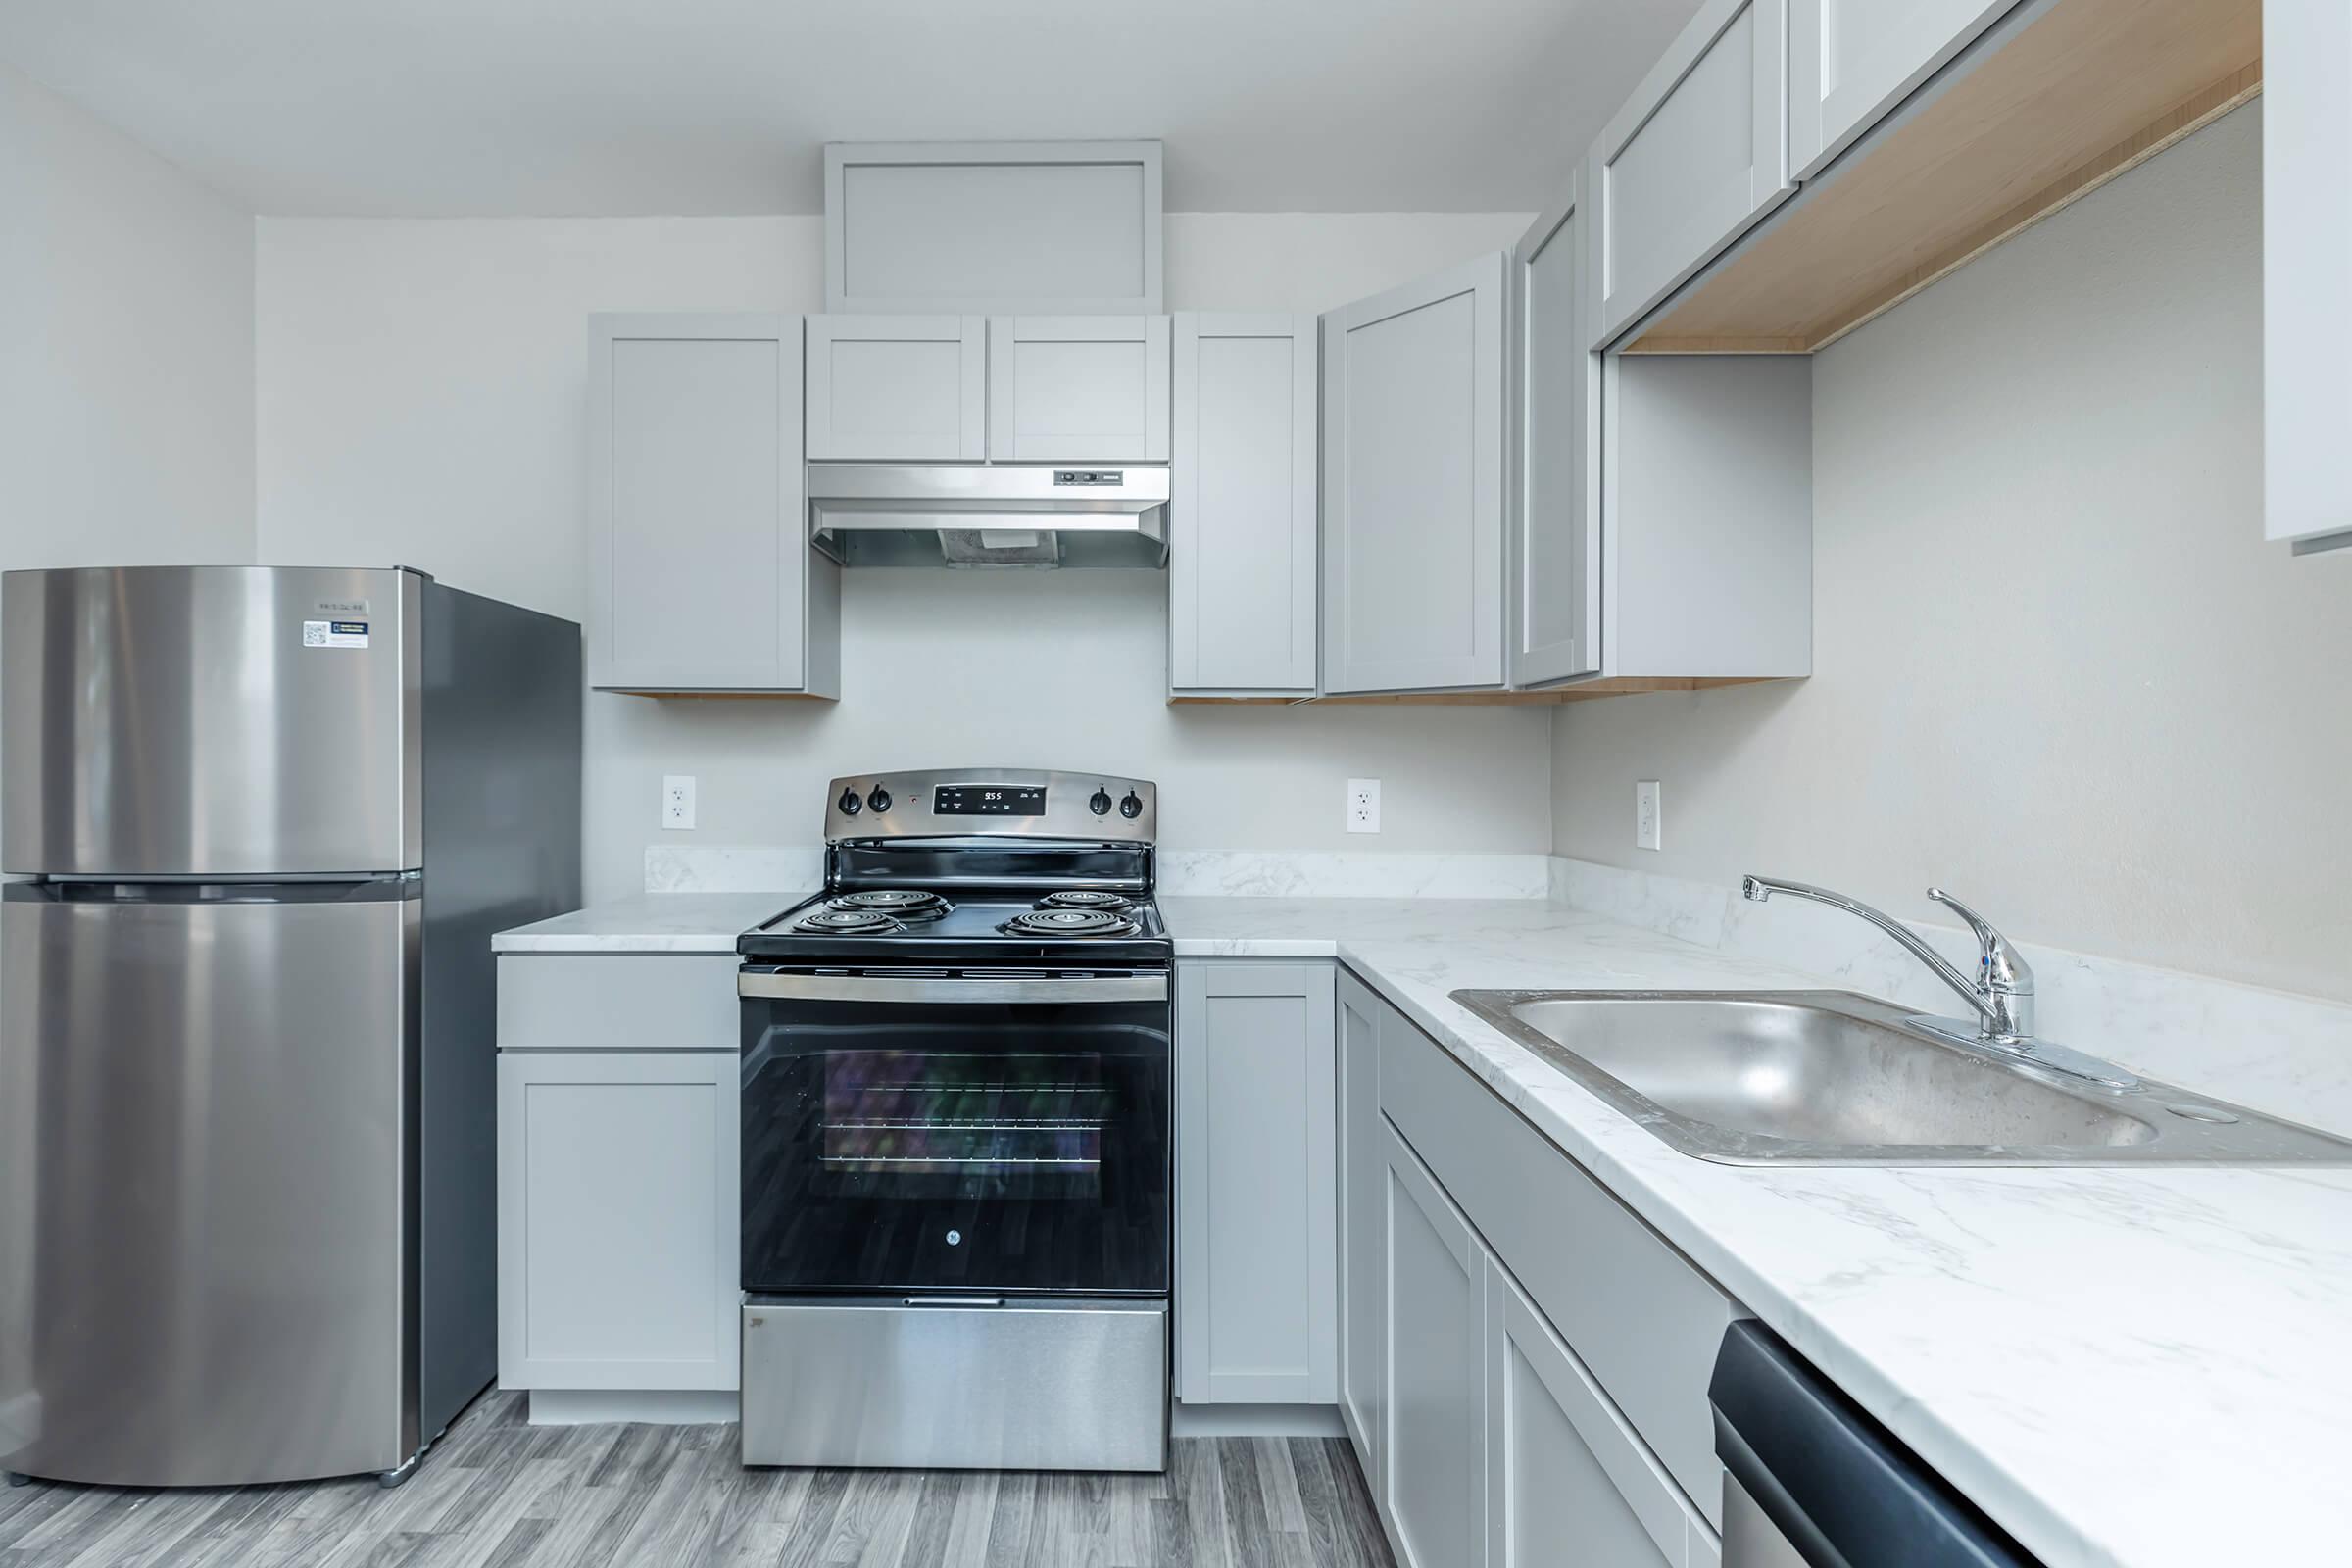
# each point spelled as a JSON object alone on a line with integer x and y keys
{"x": 1830, "y": 1078}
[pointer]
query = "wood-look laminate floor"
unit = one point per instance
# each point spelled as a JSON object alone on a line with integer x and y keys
{"x": 497, "y": 1493}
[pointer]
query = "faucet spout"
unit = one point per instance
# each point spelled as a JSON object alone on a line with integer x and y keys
{"x": 1761, "y": 888}
{"x": 2002, "y": 992}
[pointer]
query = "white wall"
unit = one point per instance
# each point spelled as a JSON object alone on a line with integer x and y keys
{"x": 126, "y": 349}
{"x": 422, "y": 400}
{"x": 2058, "y": 670}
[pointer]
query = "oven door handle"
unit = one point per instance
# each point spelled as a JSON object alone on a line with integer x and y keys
{"x": 886, "y": 988}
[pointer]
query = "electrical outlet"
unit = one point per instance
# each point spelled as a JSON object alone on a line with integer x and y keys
{"x": 1363, "y": 805}
{"x": 1650, "y": 825}
{"x": 678, "y": 801}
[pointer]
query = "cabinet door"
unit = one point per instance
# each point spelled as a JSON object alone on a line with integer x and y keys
{"x": 1241, "y": 558}
{"x": 1363, "y": 1244}
{"x": 1851, "y": 61}
{"x": 617, "y": 1236}
{"x": 1698, "y": 155}
{"x": 1555, "y": 453}
{"x": 700, "y": 569}
{"x": 1433, "y": 1437}
{"x": 1256, "y": 1253}
{"x": 898, "y": 388}
{"x": 1078, "y": 388}
{"x": 2306, "y": 254}
{"x": 1568, "y": 1482}
{"x": 1413, "y": 485}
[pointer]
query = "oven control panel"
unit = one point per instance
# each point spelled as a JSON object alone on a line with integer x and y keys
{"x": 1010, "y": 803}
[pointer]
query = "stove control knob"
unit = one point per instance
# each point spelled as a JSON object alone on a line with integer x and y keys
{"x": 879, "y": 799}
{"x": 1099, "y": 802}
{"x": 849, "y": 804}
{"x": 1131, "y": 807}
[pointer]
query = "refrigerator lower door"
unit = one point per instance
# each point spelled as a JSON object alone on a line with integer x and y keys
{"x": 214, "y": 721}
{"x": 205, "y": 1211}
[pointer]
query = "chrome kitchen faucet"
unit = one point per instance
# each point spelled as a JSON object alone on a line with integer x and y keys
{"x": 2002, "y": 992}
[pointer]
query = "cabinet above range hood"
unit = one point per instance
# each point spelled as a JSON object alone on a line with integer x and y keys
{"x": 988, "y": 515}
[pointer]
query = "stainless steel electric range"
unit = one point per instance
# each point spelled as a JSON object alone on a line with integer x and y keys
{"x": 957, "y": 1134}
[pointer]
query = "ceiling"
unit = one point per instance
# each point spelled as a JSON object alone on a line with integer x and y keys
{"x": 626, "y": 107}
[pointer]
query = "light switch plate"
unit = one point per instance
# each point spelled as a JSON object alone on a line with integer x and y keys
{"x": 678, "y": 801}
{"x": 1649, "y": 826}
{"x": 1363, "y": 805}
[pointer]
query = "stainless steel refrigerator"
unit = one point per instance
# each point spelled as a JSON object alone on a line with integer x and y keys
{"x": 265, "y": 821}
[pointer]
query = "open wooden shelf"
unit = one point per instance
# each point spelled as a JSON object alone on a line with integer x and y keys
{"x": 2081, "y": 93}
{"x": 1580, "y": 692}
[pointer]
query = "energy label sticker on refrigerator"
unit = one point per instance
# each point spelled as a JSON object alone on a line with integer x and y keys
{"x": 334, "y": 634}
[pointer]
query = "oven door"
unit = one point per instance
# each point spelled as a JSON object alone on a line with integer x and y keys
{"x": 962, "y": 1133}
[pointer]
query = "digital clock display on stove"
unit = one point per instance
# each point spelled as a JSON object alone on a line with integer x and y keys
{"x": 989, "y": 800}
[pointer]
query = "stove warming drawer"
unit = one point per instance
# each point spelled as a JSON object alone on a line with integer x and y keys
{"x": 956, "y": 1383}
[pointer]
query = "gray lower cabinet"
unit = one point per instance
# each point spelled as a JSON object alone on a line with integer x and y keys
{"x": 618, "y": 1219}
{"x": 1538, "y": 1392}
{"x": 1255, "y": 1255}
{"x": 619, "y": 1175}
{"x": 1433, "y": 1430}
{"x": 702, "y": 577}
{"x": 1363, "y": 1253}
{"x": 1413, "y": 408}
{"x": 1242, "y": 561}
{"x": 1562, "y": 1466}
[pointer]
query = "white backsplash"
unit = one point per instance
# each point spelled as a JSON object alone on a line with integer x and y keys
{"x": 745, "y": 868}
{"x": 733, "y": 868}
{"x": 1252, "y": 873}
{"x": 2287, "y": 1054}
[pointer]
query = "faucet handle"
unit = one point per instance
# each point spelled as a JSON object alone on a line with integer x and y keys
{"x": 1999, "y": 970}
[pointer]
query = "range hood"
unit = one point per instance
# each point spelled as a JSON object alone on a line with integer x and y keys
{"x": 988, "y": 515}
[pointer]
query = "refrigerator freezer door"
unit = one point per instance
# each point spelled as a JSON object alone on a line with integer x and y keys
{"x": 226, "y": 721}
{"x": 204, "y": 1220}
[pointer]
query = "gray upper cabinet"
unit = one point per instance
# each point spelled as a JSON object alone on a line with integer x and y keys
{"x": 1851, "y": 61}
{"x": 1078, "y": 389}
{"x": 1256, "y": 1315}
{"x": 701, "y": 574}
{"x": 1555, "y": 522}
{"x": 1695, "y": 156}
{"x": 898, "y": 388}
{"x": 1241, "y": 563}
{"x": 1413, "y": 400}
{"x": 2306, "y": 255}
{"x": 952, "y": 227}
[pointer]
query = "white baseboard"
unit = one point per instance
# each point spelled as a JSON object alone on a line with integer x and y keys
{"x": 1254, "y": 1420}
{"x": 670, "y": 1407}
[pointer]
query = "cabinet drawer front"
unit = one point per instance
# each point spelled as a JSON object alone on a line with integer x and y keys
{"x": 897, "y": 388}
{"x": 617, "y": 1220}
{"x": 616, "y": 1002}
{"x": 1698, "y": 156}
{"x": 1562, "y": 1461}
{"x": 1642, "y": 1319}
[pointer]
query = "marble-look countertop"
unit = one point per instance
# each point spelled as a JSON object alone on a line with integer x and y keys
{"x": 2145, "y": 1367}
{"x": 650, "y": 922}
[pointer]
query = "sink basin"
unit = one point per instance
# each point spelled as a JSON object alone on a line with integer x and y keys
{"x": 1830, "y": 1078}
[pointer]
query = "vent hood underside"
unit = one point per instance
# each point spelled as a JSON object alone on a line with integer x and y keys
{"x": 988, "y": 515}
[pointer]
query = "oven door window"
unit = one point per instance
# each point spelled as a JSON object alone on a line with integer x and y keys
{"x": 955, "y": 1146}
